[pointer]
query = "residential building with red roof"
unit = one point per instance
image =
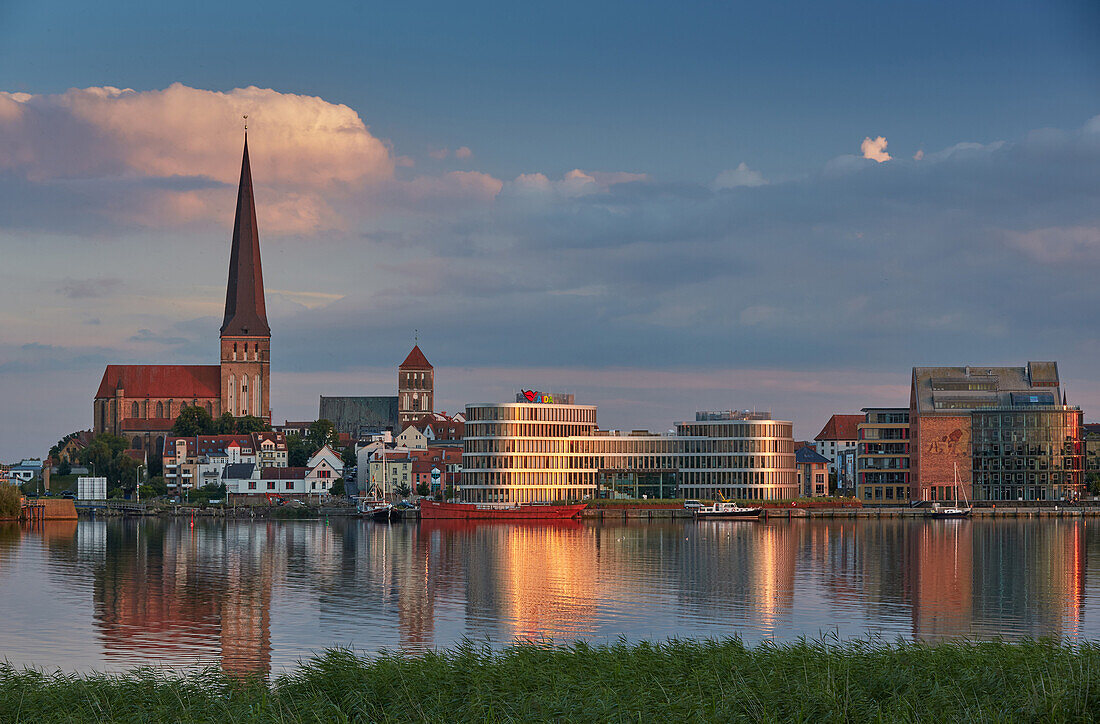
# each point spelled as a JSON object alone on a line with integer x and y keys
{"x": 191, "y": 462}
{"x": 839, "y": 434}
{"x": 142, "y": 401}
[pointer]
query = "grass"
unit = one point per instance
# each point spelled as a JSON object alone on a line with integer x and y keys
{"x": 671, "y": 682}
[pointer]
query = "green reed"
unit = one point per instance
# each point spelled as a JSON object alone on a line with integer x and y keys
{"x": 819, "y": 681}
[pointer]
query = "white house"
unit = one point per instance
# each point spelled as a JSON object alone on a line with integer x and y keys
{"x": 412, "y": 439}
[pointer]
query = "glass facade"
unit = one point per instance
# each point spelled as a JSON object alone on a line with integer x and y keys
{"x": 882, "y": 455}
{"x": 1028, "y": 453}
{"x": 529, "y": 452}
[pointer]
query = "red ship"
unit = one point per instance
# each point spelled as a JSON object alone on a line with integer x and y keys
{"x": 432, "y": 510}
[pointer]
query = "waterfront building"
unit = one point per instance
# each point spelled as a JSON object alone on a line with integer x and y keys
{"x": 846, "y": 461}
{"x": 141, "y": 401}
{"x": 26, "y": 470}
{"x": 1007, "y": 430}
{"x": 838, "y": 434}
{"x": 415, "y": 388}
{"x": 737, "y": 454}
{"x": 551, "y": 449}
{"x": 813, "y": 472}
{"x": 326, "y": 464}
{"x": 882, "y": 466}
{"x": 191, "y": 462}
{"x": 388, "y": 470}
{"x": 446, "y": 460}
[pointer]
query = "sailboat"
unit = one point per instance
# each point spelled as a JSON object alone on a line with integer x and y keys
{"x": 955, "y": 511}
{"x": 376, "y": 508}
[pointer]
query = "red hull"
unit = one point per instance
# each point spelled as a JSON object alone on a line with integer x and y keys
{"x": 432, "y": 510}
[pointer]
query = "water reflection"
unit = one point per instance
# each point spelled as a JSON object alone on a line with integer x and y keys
{"x": 257, "y": 596}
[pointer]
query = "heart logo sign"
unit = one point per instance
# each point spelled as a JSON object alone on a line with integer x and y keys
{"x": 530, "y": 395}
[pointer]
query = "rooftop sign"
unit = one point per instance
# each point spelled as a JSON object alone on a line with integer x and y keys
{"x": 544, "y": 398}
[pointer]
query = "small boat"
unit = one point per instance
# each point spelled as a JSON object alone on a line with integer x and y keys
{"x": 374, "y": 509}
{"x": 954, "y": 511}
{"x": 432, "y": 509}
{"x": 725, "y": 510}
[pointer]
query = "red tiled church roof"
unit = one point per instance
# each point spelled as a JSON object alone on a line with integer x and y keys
{"x": 181, "y": 381}
{"x": 416, "y": 360}
{"x": 840, "y": 427}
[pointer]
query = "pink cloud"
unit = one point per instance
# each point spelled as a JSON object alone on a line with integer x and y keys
{"x": 874, "y": 149}
{"x": 439, "y": 153}
{"x": 464, "y": 152}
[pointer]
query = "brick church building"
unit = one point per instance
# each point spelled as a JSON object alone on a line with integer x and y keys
{"x": 140, "y": 402}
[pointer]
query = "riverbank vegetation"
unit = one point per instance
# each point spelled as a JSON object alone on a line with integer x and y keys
{"x": 671, "y": 681}
{"x": 10, "y": 501}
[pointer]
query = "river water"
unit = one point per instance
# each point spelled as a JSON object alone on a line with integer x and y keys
{"x": 258, "y": 596}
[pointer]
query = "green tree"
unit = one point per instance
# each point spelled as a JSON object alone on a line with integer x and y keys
{"x": 403, "y": 490}
{"x": 64, "y": 468}
{"x": 106, "y": 455}
{"x": 337, "y": 488}
{"x": 297, "y": 451}
{"x": 423, "y": 489}
{"x": 348, "y": 456}
{"x": 226, "y": 424}
{"x": 192, "y": 421}
{"x": 156, "y": 484}
{"x": 321, "y": 433}
{"x": 250, "y": 423}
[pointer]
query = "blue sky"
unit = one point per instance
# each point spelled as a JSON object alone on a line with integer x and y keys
{"x": 660, "y": 206}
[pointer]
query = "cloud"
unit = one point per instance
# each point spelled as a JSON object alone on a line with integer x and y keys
{"x": 1059, "y": 245}
{"x": 918, "y": 155}
{"x": 463, "y": 152}
{"x": 303, "y": 150}
{"x": 874, "y": 149}
{"x": 439, "y": 153}
{"x": 740, "y": 176}
{"x": 89, "y": 288}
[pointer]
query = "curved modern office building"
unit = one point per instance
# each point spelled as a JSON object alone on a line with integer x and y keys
{"x": 520, "y": 452}
{"x": 551, "y": 449}
{"x": 737, "y": 454}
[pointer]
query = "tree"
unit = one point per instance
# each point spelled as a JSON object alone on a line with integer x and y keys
{"x": 403, "y": 490}
{"x": 106, "y": 454}
{"x": 337, "y": 487}
{"x": 348, "y": 455}
{"x": 297, "y": 451}
{"x": 192, "y": 421}
{"x": 423, "y": 489}
{"x": 321, "y": 433}
{"x": 226, "y": 424}
{"x": 156, "y": 484}
{"x": 250, "y": 424}
{"x": 64, "y": 468}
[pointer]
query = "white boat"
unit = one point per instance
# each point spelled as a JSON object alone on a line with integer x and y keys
{"x": 956, "y": 510}
{"x": 725, "y": 509}
{"x": 374, "y": 508}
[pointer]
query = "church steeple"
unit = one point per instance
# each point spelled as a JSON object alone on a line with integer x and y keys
{"x": 245, "y": 311}
{"x": 246, "y": 337}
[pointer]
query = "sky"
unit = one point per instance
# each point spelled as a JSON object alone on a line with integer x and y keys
{"x": 659, "y": 207}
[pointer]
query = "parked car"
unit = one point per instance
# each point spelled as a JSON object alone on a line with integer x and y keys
{"x": 693, "y": 504}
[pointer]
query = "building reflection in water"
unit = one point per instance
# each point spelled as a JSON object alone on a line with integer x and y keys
{"x": 255, "y": 595}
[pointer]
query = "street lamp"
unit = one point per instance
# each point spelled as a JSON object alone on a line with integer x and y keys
{"x": 137, "y": 482}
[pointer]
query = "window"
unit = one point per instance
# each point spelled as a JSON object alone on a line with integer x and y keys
{"x": 289, "y": 485}
{"x": 252, "y": 485}
{"x": 270, "y": 484}
{"x": 134, "y": 410}
{"x": 160, "y": 409}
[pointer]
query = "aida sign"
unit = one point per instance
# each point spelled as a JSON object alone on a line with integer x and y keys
{"x": 532, "y": 396}
{"x": 544, "y": 398}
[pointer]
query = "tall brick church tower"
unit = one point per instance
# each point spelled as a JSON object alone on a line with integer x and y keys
{"x": 245, "y": 334}
{"x": 415, "y": 388}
